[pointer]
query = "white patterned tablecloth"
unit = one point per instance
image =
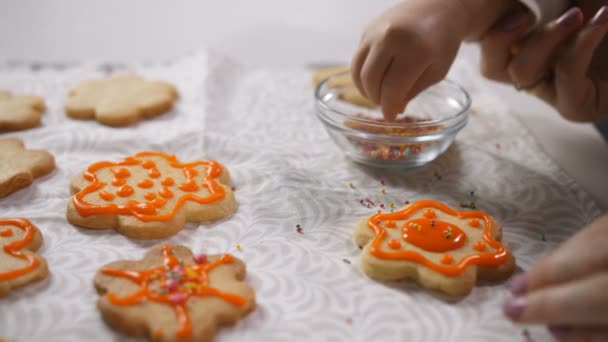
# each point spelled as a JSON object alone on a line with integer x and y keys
{"x": 260, "y": 123}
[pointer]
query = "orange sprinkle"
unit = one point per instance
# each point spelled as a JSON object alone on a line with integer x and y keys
{"x": 447, "y": 259}
{"x": 474, "y": 223}
{"x": 154, "y": 173}
{"x": 149, "y": 196}
{"x": 394, "y": 244}
{"x": 145, "y": 183}
{"x": 429, "y": 213}
{"x": 125, "y": 191}
{"x": 391, "y": 224}
{"x": 165, "y": 192}
{"x": 159, "y": 202}
{"x": 106, "y": 195}
{"x": 480, "y": 246}
{"x": 167, "y": 181}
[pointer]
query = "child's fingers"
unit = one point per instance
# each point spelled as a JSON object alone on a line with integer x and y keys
{"x": 496, "y": 44}
{"x": 376, "y": 64}
{"x": 357, "y": 64}
{"x": 535, "y": 58}
{"x": 579, "y": 97}
{"x": 396, "y": 85}
{"x": 580, "y": 302}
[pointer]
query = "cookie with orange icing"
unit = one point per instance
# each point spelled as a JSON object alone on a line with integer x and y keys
{"x": 440, "y": 248}
{"x": 150, "y": 195}
{"x": 19, "y": 263}
{"x": 173, "y": 295}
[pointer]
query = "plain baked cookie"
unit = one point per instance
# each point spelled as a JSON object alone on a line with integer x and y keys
{"x": 172, "y": 295}
{"x": 438, "y": 247}
{"x": 348, "y": 90}
{"x": 19, "y": 112}
{"x": 19, "y": 166}
{"x": 150, "y": 195}
{"x": 119, "y": 100}
{"x": 19, "y": 264}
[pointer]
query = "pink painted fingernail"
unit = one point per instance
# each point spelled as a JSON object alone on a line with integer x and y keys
{"x": 569, "y": 18}
{"x": 514, "y": 307}
{"x": 519, "y": 284}
{"x": 600, "y": 17}
{"x": 515, "y": 22}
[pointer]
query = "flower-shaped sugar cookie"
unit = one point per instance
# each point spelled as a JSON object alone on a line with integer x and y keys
{"x": 119, "y": 100}
{"x": 19, "y": 166}
{"x": 150, "y": 195}
{"x": 440, "y": 248}
{"x": 19, "y": 264}
{"x": 19, "y": 112}
{"x": 171, "y": 295}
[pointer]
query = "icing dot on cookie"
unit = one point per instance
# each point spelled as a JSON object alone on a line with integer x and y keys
{"x": 480, "y": 246}
{"x": 189, "y": 186}
{"x": 474, "y": 223}
{"x": 149, "y": 196}
{"x": 159, "y": 202}
{"x": 447, "y": 259}
{"x": 429, "y": 213}
{"x": 106, "y": 195}
{"x": 154, "y": 173}
{"x": 6, "y": 233}
{"x": 433, "y": 235}
{"x": 167, "y": 181}
{"x": 394, "y": 244}
{"x": 145, "y": 183}
{"x": 125, "y": 191}
{"x": 121, "y": 172}
{"x": 158, "y": 332}
{"x": 190, "y": 173}
{"x": 118, "y": 181}
{"x": 165, "y": 192}
{"x": 148, "y": 164}
{"x": 391, "y": 224}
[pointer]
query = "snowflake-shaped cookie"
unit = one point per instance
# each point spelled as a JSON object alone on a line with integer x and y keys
{"x": 19, "y": 264}
{"x": 19, "y": 112}
{"x": 150, "y": 195}
{"x": 19, "y": 166}
{"x": 171, "y": 295}
{"x": 119, "y": 100}
{"x": 440, "y": 248}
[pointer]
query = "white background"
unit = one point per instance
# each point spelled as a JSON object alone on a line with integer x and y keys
{"x": 273, "y": 33}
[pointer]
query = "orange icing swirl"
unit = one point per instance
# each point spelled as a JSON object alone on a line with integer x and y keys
{"x": 193, "y": 281}
{"x": 498, "y": 256}
{"x": 146, "y": 211}
{"x": 13, "y": 248}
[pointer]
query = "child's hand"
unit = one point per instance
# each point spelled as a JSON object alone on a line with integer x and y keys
{"x": 568, "y": 290}
{"x": 407, "y": 49}
{"x": 556, "y": 63}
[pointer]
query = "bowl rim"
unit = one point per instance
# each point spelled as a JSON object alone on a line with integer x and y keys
{"x": 460, "y": 114}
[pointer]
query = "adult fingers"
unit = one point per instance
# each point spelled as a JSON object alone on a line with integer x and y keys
{"x": 536, "y": 55}
{"x": 576, "y": 334}
{"x": 582, "y": 302}
{"x": 582, "y": 255}
{"x": 496, "y": 44}
{"x": 579, "y": 97}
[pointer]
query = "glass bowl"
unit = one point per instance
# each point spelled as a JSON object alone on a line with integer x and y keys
{"x": 419, "y": 135}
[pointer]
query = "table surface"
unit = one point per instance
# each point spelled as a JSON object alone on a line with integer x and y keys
{"x": 279, "y": 34}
